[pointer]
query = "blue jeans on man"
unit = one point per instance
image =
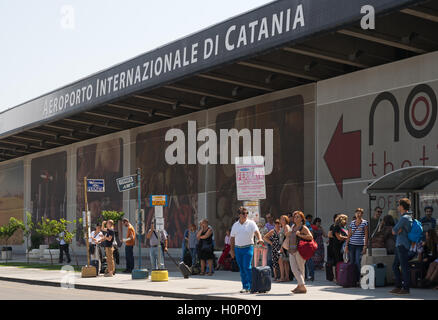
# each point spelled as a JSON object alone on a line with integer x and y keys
{"x": 355, "y": 257}
{"x": 244, "y": 259}
{"x": 153, "y": 254}
{"x": 401, "y": 261}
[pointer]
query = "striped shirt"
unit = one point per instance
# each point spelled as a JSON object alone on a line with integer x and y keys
{"x": 358, "y": 237}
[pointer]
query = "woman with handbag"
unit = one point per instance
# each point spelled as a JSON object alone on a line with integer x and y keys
{"x": 206, "y": 252}
{"x": 297, "y": 236}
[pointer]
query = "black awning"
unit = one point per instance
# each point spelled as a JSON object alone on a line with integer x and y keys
{"x": 278, "y": 46}
{"x": 404, "y": 180}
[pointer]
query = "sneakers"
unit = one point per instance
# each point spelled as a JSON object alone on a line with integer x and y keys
{"x": 244, "y": 291}
{"x": 108, "y": 274}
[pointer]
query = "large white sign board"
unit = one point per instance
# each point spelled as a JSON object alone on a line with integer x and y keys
{"x": 250, "y": 178}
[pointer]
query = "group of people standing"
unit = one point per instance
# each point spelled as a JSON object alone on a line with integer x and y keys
{"x": 281, "y": 240}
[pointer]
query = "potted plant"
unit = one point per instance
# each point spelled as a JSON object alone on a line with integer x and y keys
{"x": 6, "y": 232}
{"x": 116, "y": 216}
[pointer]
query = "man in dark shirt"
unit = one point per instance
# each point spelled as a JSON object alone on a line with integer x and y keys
{"x": 428, "y": 222}
{"x": 375, "y": 219}
{"x": 108, "y": 228}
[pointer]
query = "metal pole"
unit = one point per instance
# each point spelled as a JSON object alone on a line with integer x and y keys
{"x": 86, "y": 221}
{"x": 139, "y": 217}
{"x": 370, "y": 247}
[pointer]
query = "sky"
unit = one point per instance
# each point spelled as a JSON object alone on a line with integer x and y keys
{"x": 45, "y": 45}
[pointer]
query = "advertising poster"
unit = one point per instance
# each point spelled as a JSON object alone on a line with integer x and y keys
{"x": 11, "y": 197}
{"x": 49, "y": 186}
{"x": 285, "y": 176}
{"x": 102, "y": 160}
{"x": 179, "y": 182}
{"x": 382, "y": 120}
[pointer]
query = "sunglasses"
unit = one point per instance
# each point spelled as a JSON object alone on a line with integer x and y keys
{"x": 379, "y": 211}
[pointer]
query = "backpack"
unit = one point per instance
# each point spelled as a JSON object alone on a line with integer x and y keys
{"x": 416, "y": 233}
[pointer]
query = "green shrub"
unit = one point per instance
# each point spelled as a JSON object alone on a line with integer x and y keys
{"x": 116, "y": 216}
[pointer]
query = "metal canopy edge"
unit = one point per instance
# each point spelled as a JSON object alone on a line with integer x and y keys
{"x": 402, "y": 184}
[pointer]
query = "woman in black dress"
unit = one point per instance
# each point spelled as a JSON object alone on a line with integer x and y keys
{"x": 340, "y": 234}
{"x": 206, "y": 250}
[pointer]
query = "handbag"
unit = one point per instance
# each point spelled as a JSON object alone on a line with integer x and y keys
{"x": 307, "y": 248}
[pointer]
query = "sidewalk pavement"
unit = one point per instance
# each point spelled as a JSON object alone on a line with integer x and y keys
{"x": 223, "y": 285}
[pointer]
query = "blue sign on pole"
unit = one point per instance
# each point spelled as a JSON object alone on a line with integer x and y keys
{"x": 95, "y": 185}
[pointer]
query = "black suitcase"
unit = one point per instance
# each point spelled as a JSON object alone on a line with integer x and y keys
{"x": 234, "y": 265}
{"x": 187, "y": 258}
{"x": 416, "y": 270}
{"x": 95, "y": 263}
{"x": 103, "y": 265}
{"x": 185, "y": 271}
{"x": 261, "y": 279}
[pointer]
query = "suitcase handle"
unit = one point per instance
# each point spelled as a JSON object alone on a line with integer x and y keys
{"x": 172, "y": 258}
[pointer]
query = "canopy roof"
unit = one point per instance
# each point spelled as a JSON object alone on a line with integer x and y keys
{"x": 281, "y": 45}
{"x": 404, "y": 180}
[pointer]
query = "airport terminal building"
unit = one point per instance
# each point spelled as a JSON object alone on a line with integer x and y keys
{"x": 342, "y": 106}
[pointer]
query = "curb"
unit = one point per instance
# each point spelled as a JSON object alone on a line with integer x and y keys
{"x": 121, "y": 290}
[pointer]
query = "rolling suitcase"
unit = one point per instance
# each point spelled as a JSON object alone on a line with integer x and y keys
{"x": 416, "y": 274}
{"x": 261, "y": 279}
{"x": 185, "y": 271}
{"x": 347, "y": 275}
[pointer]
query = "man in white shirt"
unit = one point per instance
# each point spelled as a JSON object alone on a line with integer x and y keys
{"x": 242, "y": 246}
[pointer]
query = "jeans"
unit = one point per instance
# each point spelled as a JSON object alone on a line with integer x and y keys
{"x": 193, "y": 254}
{"x": 244, "y": 259}
{"x": 355, "y": 257}
{"x": 310, "y": 269}
{"x": 401, "y": 260}
{"x": 129, "y": 253}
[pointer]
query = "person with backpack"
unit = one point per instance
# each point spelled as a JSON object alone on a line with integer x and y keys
{"x": 402, "y": 245}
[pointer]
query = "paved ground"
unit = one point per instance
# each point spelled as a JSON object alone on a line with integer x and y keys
{"x": 223, "y": 285}
{"x": 20, "y": 291}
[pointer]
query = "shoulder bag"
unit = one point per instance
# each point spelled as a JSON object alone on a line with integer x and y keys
{"x": 306, "y": 248}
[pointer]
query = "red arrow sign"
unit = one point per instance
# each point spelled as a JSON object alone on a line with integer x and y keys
{"x": 343, "y": 155}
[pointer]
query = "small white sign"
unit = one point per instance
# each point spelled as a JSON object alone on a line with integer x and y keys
{"x": 158, "y": 212}
{"x": 250, "y": 178}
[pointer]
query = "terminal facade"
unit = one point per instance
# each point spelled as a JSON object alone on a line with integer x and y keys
{"x": 333, "y": 132}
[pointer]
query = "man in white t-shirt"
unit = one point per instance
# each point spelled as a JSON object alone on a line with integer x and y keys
{"x": 242, "y": 246}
